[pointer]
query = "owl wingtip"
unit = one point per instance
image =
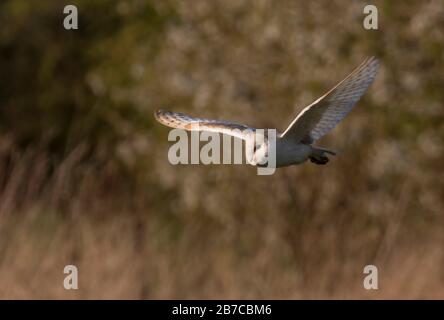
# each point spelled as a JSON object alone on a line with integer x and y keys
{"x": 158, "y": 113}
{"x": 373, "y": 60}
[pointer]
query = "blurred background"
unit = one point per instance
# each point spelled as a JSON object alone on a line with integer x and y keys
{"x": 85, "y": 178}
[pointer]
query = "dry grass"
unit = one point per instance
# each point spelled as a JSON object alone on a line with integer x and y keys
{"x": 125, "y": 250}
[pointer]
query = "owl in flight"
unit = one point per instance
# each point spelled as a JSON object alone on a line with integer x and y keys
{"x": 295, "y": 144}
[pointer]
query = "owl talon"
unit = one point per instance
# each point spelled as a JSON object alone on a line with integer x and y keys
{"x": 319, "y": 160}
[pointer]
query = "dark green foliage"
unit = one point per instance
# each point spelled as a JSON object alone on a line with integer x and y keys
{"x": 58, "y": 86}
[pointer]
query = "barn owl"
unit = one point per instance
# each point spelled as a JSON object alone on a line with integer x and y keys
{"x": 296, "y": 144}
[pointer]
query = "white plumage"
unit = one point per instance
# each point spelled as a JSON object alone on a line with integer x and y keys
{"x": 294, "y": 146}
{"x": 324, "y": 114}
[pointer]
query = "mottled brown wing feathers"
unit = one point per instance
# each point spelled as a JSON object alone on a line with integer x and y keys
{"x": 182, "y": 121}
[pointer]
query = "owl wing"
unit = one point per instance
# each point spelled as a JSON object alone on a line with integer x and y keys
{"x": 182, "y": 121}
{"x": 324, "y": 114}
